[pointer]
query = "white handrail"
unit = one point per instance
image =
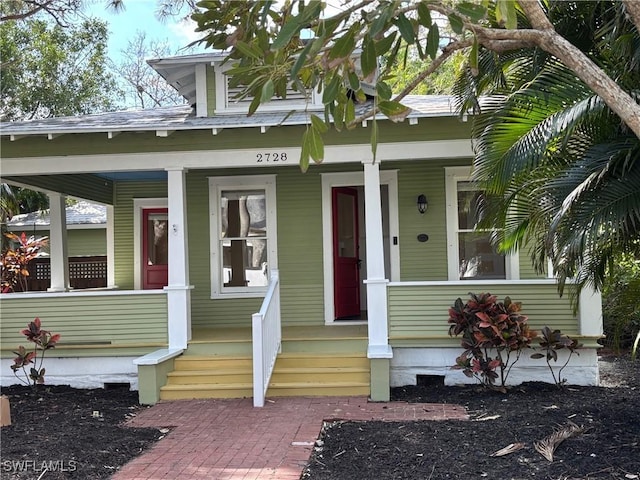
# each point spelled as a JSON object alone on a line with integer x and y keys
{"x": 267, "y": 338}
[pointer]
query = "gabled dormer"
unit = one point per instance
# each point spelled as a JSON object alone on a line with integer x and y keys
{"x": 201, "y": 80}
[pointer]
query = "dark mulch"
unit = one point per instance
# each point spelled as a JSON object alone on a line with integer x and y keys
{"x": 609, "y": 447}
{"x": 70, "y": 432}
{"x": 57, "y": 425}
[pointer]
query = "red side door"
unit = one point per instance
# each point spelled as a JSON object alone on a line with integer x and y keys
{"x": 346, "y": 283}
{"x": 155, "y": 248}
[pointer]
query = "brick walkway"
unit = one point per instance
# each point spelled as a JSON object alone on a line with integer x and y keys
{"x": 231, "y": 440}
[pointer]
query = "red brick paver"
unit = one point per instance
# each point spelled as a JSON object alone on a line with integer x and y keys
{"x": 231, "y": 440}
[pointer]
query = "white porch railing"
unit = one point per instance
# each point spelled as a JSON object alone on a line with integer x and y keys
{"x": 267, "y": 337}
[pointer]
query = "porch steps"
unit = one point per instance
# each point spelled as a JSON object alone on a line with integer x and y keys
{"x": 295, "y": 374}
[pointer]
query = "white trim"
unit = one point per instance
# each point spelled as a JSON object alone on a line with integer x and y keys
{"x": 140, "y": 204}
{"x": 111, "y": 248}
{"x": 201, "y": 90}
{"x": 7, "y": 297}
{"x": 453, "y": 175}
{"x": 590, "y": 308}
{"x": 58, "y": 244}
{"x": 348, "y": 179}
{"x": 334, "y": 154}
{"x": 159, "y": 356}
{"x": 457, "y": 283}
{"x": 241, "y": 182}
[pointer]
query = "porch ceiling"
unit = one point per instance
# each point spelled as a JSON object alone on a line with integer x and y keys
{"x": 82, "y": 186}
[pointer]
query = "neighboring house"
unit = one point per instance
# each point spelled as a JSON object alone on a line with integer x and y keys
{"x": 86, "y": 245}
{"x": 212, "y": 221}
{"x": 86, "y": 224}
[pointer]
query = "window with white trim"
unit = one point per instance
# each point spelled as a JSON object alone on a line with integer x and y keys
{"x": 471, "y": 255}
{"x": 243, "y": 234}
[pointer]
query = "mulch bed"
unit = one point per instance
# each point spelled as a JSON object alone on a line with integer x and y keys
{"x": 72, "y": 433}
{"x": 608, "y": 448}
{"x": 80, "y": 434}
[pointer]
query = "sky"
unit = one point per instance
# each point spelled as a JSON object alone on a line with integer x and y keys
{"x": 139, "y": 15}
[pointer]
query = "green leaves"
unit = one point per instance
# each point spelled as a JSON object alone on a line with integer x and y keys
{"x": 395, "y": 111}
{"x": 506, "y": 13}
{"x": 433, "y": 41}
{"x": 312, "y": 144}
{"x": 292, "y": 27}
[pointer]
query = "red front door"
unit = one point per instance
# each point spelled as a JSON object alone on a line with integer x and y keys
{"x": 346, "y": 283}
{"x": 155, "y": 248}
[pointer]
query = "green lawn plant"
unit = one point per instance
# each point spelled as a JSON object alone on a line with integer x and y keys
{"x": 27, "y": 365}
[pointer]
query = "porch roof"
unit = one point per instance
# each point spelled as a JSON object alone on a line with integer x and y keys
{"x": 170, "y": 119}
{"x": 81, "y": 213}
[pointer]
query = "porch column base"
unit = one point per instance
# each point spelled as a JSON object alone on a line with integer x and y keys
{"x": 380, "y": 386}
{"x": 379, "y": 351}
{"x": 179, "y": 314}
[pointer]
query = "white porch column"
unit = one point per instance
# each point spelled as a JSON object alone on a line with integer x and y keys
{"x": 376, "y": 282}
{"x": 59, "y": 257}
{"x": 590, "y": 312}
{"x": 111, "y": 249}
{"x": 178, "y": 290}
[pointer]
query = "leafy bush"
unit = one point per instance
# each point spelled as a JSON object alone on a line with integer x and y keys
{"x": 42, "y": 340}
{"x": 551, "y": 341}
{"x": 487, "y": 326}
{"x": 620, "y": 306}
{"x": 13, "y": 262}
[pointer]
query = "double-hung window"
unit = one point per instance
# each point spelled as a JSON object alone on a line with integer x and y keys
{"x": 243, "y": 234}
{"x": 471, "y": 255}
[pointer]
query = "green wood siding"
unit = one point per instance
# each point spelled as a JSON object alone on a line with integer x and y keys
{"x": 442, "y": 128}
{"x": 85, "y": 186}
{"x": 80, "y": 242}
{"x": 87, "y": 242}
{"x": 423, "y": 261}
{"x": 125, "y": 192}
{"x": 422, "y": 311}
{"x": 299, "y": 251}
{"x": 100, "y": 320}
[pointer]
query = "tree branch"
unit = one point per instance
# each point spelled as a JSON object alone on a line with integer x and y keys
{"x": 447, "y": 52}
{"x": 584, "y": 68}
{"x": 534, "y": 12}
{"x": 632, "y": 7}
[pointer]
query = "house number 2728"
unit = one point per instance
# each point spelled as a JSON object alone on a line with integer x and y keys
{"x": 271, "y": 157}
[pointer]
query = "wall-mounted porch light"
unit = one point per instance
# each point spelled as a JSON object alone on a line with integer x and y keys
{"x": 422, "y": 203}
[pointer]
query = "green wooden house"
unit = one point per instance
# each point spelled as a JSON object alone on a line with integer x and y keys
{"x": 232, "y": 273}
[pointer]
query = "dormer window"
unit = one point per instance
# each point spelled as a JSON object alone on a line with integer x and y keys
{"x": 228, "y": 101}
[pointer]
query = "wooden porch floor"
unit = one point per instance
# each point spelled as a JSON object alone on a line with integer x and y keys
{"x": 243, "y": 334}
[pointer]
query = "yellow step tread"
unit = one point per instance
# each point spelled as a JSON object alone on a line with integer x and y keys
{"x": 208, "y": 386}
{"x": 317, "y": 384}
{"x": 312, "y": 370}
{"x": 219, "y": 371}
{"x": 195, "y": 358}
{"x": 321, "y": 355}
